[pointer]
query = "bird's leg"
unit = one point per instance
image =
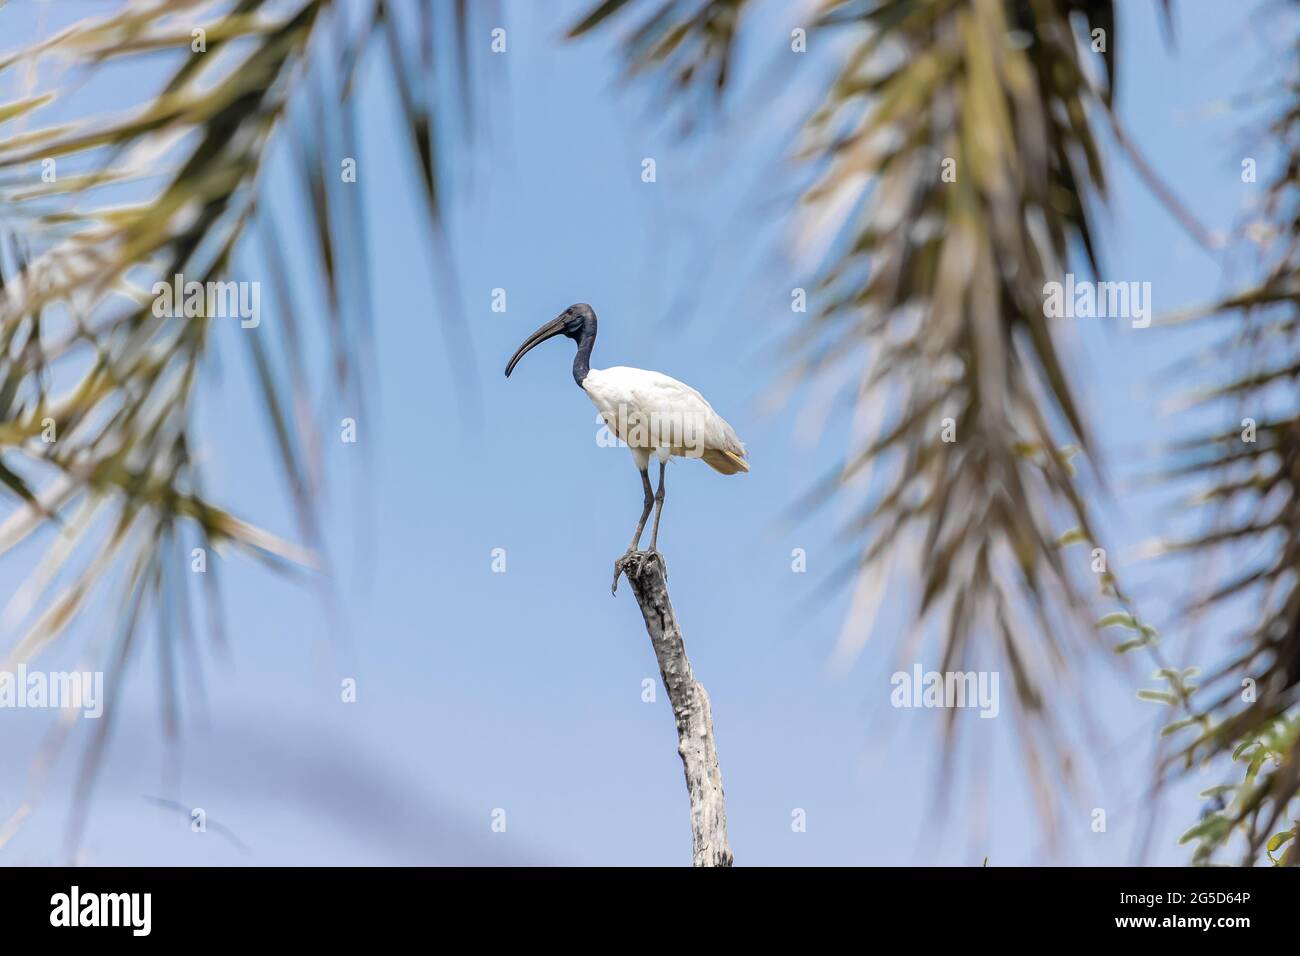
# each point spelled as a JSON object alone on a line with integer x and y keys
{"x": 659, "y": 505}
{"x": 647, "y": 504}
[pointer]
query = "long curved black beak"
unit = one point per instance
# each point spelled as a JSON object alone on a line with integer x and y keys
{"x": 549, "y": 330}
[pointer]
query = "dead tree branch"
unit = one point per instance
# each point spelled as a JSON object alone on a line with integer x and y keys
{"x": 648, "y": 576}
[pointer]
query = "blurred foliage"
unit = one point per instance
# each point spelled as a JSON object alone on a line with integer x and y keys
{"x": 119, "y": 493}
{"x": 1251, "y": 809}
{"x": 1249, "y": 474}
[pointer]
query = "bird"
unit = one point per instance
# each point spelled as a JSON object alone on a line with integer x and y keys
{"x": 655, "y": 415}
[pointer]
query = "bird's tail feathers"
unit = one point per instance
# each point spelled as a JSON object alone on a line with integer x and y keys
{"x": 726, "y": 462}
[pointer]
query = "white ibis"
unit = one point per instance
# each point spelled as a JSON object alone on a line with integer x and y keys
{"x": 655, "y": 415}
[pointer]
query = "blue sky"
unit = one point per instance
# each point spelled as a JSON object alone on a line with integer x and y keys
{"x": 523, "y": 691}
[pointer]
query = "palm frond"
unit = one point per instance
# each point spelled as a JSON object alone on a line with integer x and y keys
{"x": 1250, "y": 491}
{"x": 108, "y": 463}
{"x": 685, "y": 46}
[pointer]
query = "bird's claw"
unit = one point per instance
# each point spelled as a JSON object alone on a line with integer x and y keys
{"x": 634, "y": 560}
{"x": 619, "y": 565}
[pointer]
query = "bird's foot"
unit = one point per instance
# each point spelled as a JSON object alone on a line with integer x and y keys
{"x": 632, "y": 562}
{"x": 628, "y": 559}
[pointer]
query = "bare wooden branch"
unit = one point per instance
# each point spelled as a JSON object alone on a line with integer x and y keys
{"x": 648, "y": 576}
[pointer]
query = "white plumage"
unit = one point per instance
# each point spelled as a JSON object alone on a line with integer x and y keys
{"x": 657, "y": 415}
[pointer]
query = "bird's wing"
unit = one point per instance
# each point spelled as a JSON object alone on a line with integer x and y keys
{"x": 662, "y": 394}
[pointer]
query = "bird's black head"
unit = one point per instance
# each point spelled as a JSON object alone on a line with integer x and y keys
{"x": 577, "y": 322}
{"x": 578, "y": 319}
